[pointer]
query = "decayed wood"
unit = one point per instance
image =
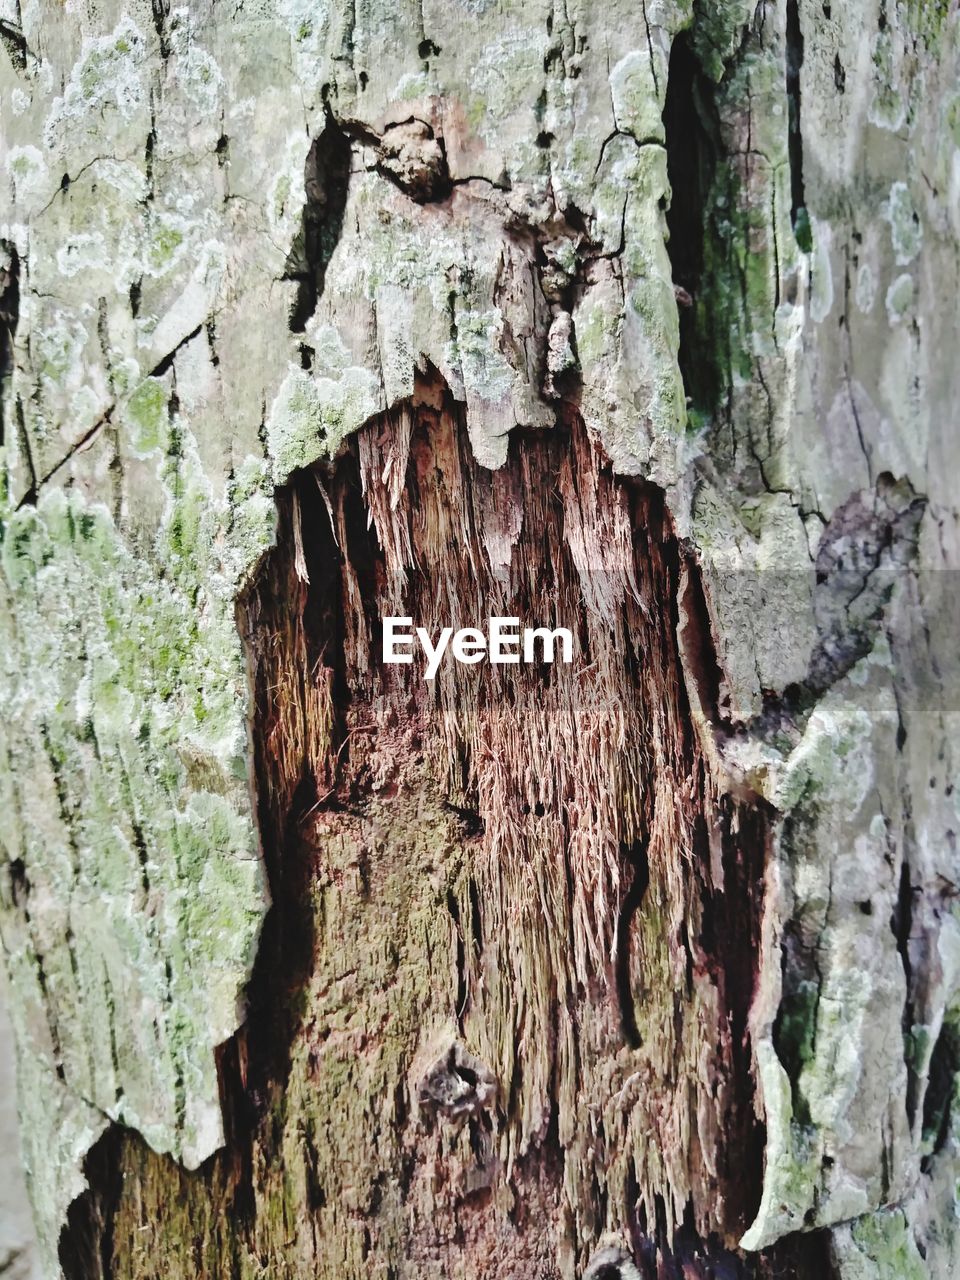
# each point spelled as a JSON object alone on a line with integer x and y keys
{"x": 501, "y": 1002}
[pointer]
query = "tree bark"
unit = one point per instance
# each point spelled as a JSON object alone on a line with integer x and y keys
{"x": 635, "y": 320}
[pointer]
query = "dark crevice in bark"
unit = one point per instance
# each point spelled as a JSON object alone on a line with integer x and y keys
{"x": 686, "y": 1256}
{"x": 30, "y": 494}
{"x": 15, "y": 43}
{"x": 305, "y": 621}
{"x": 87, "y": 439}
{"x": 901, "y": 926}
{"x": 19, "y": 884}
{"x": 728, "y": 947}
{"x": 20, "y": 888}
{"x": 941, "y": 1085}
{"x": 9, "y": 316}
{"x": 326, "y": 179}
{"x": 799, "y": 218}
{"x": 86, "y": 1243}
{"x": 161, "y": 13}
{"x": 163, "y": 366}
{"x": 149, "y": 153}
{"x": 690, "y": 129}
{"x": 165, "y": 363}
{"x": 635, "y": 857}
{"x": 460, "y": 999}
{"x": 699, "y": 652}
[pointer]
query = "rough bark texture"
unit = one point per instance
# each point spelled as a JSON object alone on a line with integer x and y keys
{"x": 18, "y": 1260}
{"x": 633, "y": 318}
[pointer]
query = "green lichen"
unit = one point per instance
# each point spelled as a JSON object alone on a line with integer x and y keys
{"x": 833, "y": 753}
{"x": 596, "y": 330}
{"x": 887, "y": 1249}
{"x": 906, "y": 231}
{"x": 130, "y": 685}
{"x": 717, "y": 33}
{"x": 162, "y": 249}
{"x": 106, "y": 80}
{"x": 416, "y": 85}
{"x": 899, "y": 298}
{"x": 633, "y": 88}
{"x": 253, "y": 514}
{"x": 60, "y": 344}
{"x": 28, "y": 169}
{"x": 311, "y": 416}
{"x": 485, "y": 371}
{"x": 146, "y": 418}
{"x": 281, "y": 196}
{"x": 803, "y": 231}
{"x": 927, "y": 19}
{"x": 505, "y": 75}
{"x": 887, "y": 110}
{"x": 952, "y": 119}
{"x": 792, "y": 1164}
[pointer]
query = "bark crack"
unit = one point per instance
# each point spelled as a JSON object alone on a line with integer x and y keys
{"x": 9, "y": 318}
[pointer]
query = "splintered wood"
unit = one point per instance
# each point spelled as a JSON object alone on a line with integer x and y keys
{"x": 458, "y": 870}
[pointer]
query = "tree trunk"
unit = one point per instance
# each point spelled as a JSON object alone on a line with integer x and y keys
{"x": 636, "y": 320}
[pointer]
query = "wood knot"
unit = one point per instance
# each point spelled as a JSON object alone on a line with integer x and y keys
{"x": 412, "y": 157}
{"x": 457, "y": 1085}
{"x": 612, "y": 1263}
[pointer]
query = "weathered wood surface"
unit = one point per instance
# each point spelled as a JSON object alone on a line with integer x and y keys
{"x": 638, "y": 315}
